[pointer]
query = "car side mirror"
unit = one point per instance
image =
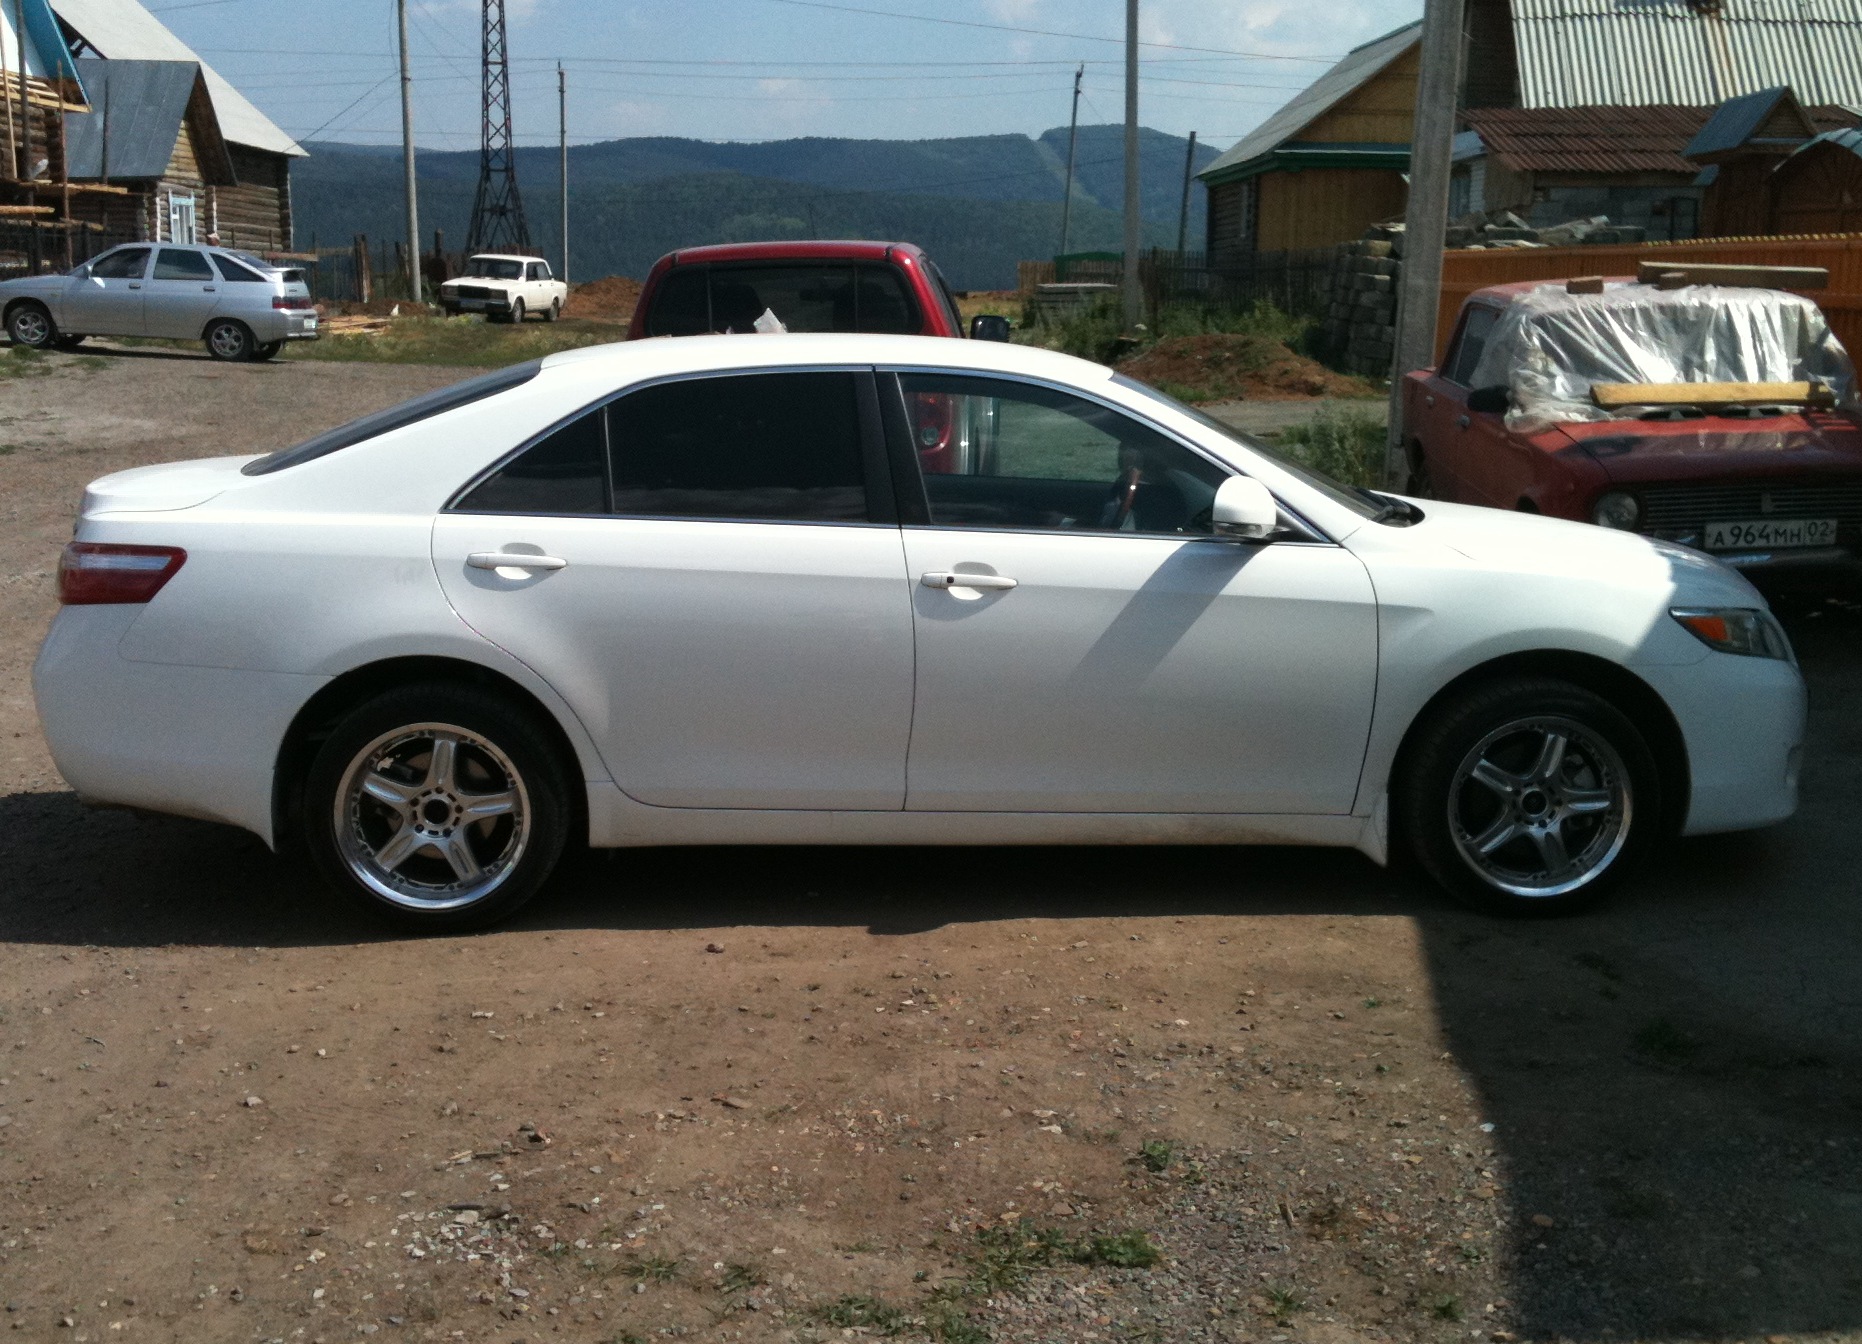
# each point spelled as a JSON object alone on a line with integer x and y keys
{"x": 1490, "y": 400}
{"x": 989, "y": 327}
{"x": 1244, "y": 510}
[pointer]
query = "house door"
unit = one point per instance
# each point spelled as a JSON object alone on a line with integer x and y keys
{"x": 180, "y": 219}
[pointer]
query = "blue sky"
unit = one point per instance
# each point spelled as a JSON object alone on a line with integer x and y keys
{"x": 771, "y": 69}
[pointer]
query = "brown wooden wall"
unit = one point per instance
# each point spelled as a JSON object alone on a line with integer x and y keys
{"x": 257, "y": 212}
{"x": 1382, "y": 111}
{"x": 1738, "y": 202}
{"x": 1320, "y": 206}
{"x": 1818, "y": 190}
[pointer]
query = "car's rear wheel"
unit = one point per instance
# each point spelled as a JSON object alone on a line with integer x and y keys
{"x": 30, "y": 324}
{"x": 442, "y": 808}
{"x": 229, "y": 340}
{"x": 269, "y": 350}
{"x": 554, "y": 311}
{"x": 1529, "y": 795}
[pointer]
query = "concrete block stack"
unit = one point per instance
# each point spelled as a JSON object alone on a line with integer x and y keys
{"x": 1360, "y": 322}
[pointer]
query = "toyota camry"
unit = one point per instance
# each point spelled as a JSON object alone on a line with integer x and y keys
{"x": 738, "y": 589}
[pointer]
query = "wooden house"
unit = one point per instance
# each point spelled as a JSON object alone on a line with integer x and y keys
{"x": 1328, "y": 163}
{"x": 1773, "y": 165}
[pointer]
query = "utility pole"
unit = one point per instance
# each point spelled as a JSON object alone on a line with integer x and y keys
{"x": 1073, "y": 132}
{"x": 1425, "y": 227}
{"x": 407, "y": 158}
{"x": 562, "y": 141}
{"x": 1183, "y": 211}
{"x": 1131, "y": 285}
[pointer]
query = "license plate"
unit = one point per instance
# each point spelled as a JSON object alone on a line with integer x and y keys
{"x": 1771, "y": 533}
{"x": 472, "y": 303}
{"x": 310, "y": 324}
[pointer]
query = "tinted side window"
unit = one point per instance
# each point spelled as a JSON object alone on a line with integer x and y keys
{"x": 128, "y": 264}
{"x": 681, "y": 305}
{"x": 1001, "y": 454}
{"x": 563, "y": 472}
{"x": 232, "y": 270}
{"x": 775, "y": 445}
{"x": 181, "y": 263}
{"x": 1461, "y": 361}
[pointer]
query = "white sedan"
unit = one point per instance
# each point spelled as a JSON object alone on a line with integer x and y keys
{"x": 735, "y": 590}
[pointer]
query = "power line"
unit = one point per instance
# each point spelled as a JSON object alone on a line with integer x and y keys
{"x": 1047, "y": 32}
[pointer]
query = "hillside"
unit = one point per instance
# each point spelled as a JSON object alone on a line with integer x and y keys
{"x": 979, "y": 204}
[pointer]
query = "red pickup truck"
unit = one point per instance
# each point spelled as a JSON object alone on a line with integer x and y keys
{"x": 1723, "y": 418}
{"x": 804, "y": 286}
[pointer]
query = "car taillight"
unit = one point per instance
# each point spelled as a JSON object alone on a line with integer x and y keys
{"x": 931, "y": 421}
{"x": 91, "y": 573}
{"x": 288, "y": 301}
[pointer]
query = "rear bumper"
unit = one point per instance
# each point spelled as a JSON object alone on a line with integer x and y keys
{"x": 193, "y": 741}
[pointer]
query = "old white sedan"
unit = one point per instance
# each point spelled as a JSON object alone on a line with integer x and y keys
{"x": 734, "y": 590}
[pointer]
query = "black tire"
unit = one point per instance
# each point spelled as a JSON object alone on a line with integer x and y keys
{"x": 517, "y": 312}
{"x": 269, "y": 350}
{"x": 229, "y": 341}
{"x": 68, "y": 341}
{"x": 554, "y": 311}
{"x": 30, "y": 324}
{"x": 426, "y": 886}
{"x": 1479, "y": 766}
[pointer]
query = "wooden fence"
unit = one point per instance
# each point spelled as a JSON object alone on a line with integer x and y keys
{"x": 1463, "y": 272}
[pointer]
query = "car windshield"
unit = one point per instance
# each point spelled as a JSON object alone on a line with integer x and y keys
{"x": 1364, "y": 503}
{"x": 494, "y": 268}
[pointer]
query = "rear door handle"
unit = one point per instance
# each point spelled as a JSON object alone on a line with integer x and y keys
{"x": 514, "y": 560}
{"x": 948, "y": 579}
{"x": 134, "y": 285}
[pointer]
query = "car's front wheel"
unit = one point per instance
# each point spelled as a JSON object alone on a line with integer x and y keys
{"x": 229, "y": 340}
{"x": 440, "y": 807}
{"x": 517, "y": 311}
{"x": 30, "y": 324}
{"x": 1529, "y": 795}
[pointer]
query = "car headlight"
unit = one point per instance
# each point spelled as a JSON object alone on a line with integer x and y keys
{"x": 1617, "y": 510}
{"x": 1743, "y": 630}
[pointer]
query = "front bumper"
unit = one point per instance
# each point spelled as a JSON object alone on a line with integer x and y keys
{"x": 1742, "y": 721}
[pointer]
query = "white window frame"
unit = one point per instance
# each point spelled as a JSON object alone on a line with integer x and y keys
{"x": 179, "y": 206}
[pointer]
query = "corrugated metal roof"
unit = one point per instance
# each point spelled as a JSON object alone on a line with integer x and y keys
{"x": 1849, "y": 138}
{"x": 1357, "y": 69}
{"x": 1735, "y": 121}
{"x": 147, "y": 100}
{"x": 124, "y": 30}
{"x": 1575, "y": 53}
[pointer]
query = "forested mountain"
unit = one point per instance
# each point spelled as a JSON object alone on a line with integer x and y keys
{"x": 978, "y": 204}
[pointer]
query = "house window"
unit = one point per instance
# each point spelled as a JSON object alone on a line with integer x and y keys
{"x": 181, "y": 218}
{"x": 1460, "y": 194}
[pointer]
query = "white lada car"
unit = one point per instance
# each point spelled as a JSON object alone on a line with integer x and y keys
{"x": 505, "y": 289}
{"x": 714, "y": 591}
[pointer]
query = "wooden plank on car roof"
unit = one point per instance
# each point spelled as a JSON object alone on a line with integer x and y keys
{"x": 1749, "y": 277}
{"x": 1707, "y": 394}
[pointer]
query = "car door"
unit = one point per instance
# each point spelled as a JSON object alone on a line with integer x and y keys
{"x": 1085, "y": 644}
{"x": 1474, "y": 455}
{"x": 105, "y": 299}
{"x": 709, "y": 571}
{"x": 182, "y": 292}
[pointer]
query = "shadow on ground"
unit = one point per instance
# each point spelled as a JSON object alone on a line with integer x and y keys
{"x": 1674, "y": 1080}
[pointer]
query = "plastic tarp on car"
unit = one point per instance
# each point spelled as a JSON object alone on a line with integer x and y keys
{"x": 1549, "y": 346}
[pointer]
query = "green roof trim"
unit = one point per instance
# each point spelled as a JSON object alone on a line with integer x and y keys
{"x": 1294, "y": 155}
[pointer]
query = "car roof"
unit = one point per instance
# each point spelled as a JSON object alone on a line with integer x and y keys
{"x": 834, "y": 249}
{"x": 503, "y": 256}
{"x": 662, "y": 356}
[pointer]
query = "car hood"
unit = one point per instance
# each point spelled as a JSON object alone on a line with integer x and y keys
{"x": 1630, "y": 451}
{"x": 163, "y": 488}
{"x": 1529, "y": 543}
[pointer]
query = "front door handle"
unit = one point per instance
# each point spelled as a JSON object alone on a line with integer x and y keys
{"x": 514, "y": 560}
{"x": 948, "y": 579}
{"x": 206, "y": 289}
{"x": 134, "y": 285}
{"x": 1462, "y": 421}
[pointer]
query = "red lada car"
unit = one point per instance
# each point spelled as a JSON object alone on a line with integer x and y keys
{"x": 1722, "y": 418}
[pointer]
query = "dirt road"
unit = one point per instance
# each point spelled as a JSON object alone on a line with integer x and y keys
{"x": 785, "y": 1094}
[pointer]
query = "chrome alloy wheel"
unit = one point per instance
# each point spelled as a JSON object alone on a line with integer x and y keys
{"x": 227, "y": 341}
{"x": 32, "y": 327}
{"x": 432, "y": 817}
{"x": 1540, "y": 806}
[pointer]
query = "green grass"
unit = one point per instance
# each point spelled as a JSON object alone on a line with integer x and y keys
{"x": 651, "y": 1268}
{"x": 1283, "y": 1302}
{"x": 866, "y": 1313}
{"x": 1155, "y": 1154}
{"x": 462, "y": 341}
{"x": 1097, "y": 332}
{"x": 739, "y": 1278}
{"x": 1342, "y": 441}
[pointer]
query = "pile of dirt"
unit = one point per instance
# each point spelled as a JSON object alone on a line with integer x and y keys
{"x": 1223, "y": 367}
{"x": 609, "y": 299}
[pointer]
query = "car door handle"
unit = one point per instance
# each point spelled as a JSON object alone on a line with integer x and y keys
{"x": 1429, "y": 402}
{"x": 1462, "y": 421}
{"x": 514, "y": 560}
{"x": 947, "y": 579}
{"x": 135, "y": 285}
{"x": 206, "y": 289}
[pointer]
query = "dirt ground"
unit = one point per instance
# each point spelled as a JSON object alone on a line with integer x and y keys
{"x": 965, "y": 1094}
{"x": 1219, "y": 366}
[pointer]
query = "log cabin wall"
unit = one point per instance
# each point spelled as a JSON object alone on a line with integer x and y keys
{"x": 255, "y": 214}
